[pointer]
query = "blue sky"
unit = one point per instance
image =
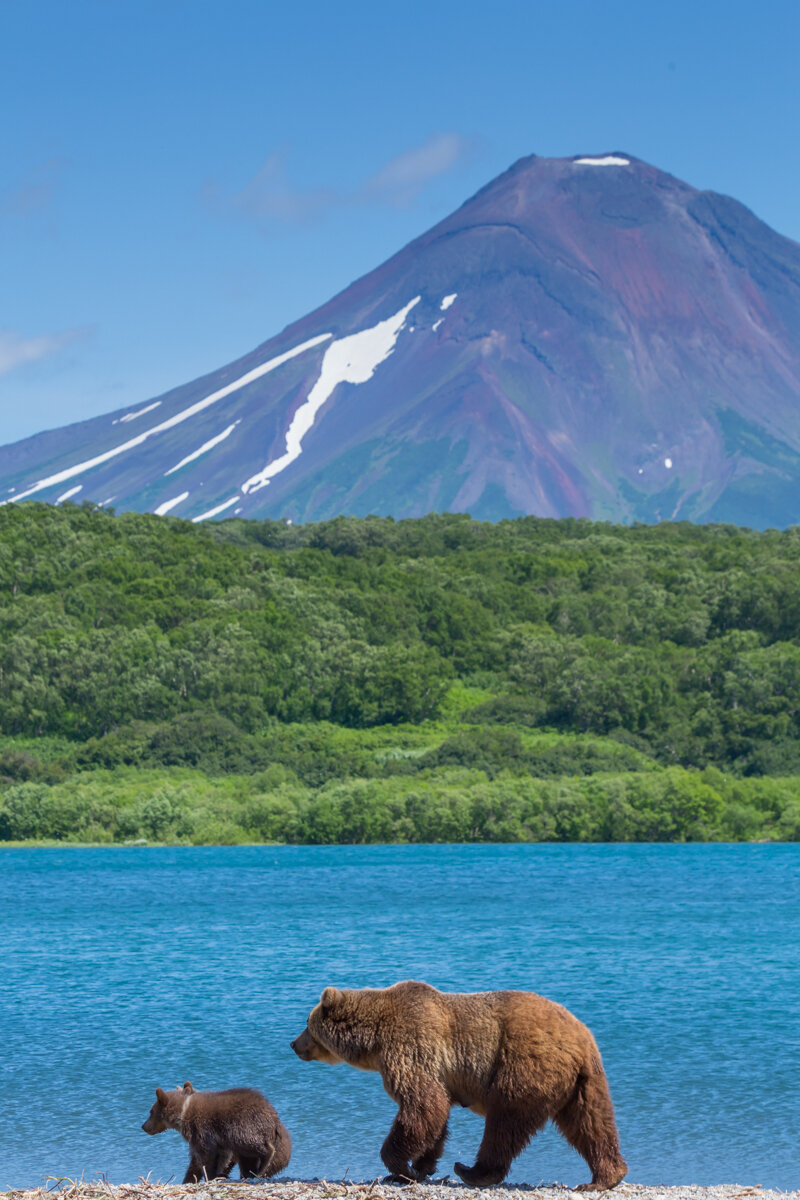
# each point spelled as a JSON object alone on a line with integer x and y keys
{"x": 179, "y": 180}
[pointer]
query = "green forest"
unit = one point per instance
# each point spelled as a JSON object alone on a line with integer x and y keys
{"x": 366, "y": 680}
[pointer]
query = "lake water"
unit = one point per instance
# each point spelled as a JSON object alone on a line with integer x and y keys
{"x": 124, "y": 969}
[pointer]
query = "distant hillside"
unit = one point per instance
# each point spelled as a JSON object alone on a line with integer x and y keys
{"x": 678, "y": 640}
{"x": 369, "y": 680}
{"x": 586, "y": 336}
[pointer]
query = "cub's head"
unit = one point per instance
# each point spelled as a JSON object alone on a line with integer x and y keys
{"x": 167, "y": 1110}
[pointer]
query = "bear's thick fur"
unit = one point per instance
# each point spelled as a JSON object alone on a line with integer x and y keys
{"x": 513, "y": 1057}
{"x": 222, "y": 1128}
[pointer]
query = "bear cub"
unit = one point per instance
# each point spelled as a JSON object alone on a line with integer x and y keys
{"x": 222, "y": 1128}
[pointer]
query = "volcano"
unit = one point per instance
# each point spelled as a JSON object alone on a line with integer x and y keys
{"x": 585, "y": 336}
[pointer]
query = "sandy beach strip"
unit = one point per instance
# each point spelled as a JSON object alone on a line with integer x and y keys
{"x": 322, "y": 1189}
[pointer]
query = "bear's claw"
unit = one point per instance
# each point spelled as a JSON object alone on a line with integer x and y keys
{"x": 602, "y": 1185}
{"x": 473, "y": 1178}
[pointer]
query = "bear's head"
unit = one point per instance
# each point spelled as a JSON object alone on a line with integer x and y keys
{"x": 309, "y": 1050}
{"x": 342, "y": 1028}
{"x": 168, "y": 1109}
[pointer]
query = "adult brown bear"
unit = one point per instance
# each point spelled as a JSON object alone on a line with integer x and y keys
{"x": 513, "y": 1057}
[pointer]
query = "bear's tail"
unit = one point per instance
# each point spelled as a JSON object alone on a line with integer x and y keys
{"x": 588, "y": 1123}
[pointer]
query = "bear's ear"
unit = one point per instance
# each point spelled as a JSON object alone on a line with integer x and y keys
{"x": 161, "y": 1095}
{"x": 330, "y": 996}
{"x": 187, "y": 1087}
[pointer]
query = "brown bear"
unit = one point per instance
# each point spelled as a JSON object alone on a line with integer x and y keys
{"x": 513, "y": 1057}
{"x": 222, "y": 1128}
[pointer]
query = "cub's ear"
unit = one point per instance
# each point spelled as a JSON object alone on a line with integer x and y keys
{"x": 330, "y": 996}
{"x": 161, "y": 1095}
{"x": 188, "y": 1089}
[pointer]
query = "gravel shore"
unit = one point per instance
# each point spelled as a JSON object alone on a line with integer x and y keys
{"x": 321, "y": 1189}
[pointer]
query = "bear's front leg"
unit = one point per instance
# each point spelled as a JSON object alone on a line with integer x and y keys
{"x": 194, "y": 1172}
{"x": 427, "y": 1163}
{"x": 415, "y": 1141}
{"x": 208, "y": 1163}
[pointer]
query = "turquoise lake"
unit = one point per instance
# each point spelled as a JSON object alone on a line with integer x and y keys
{"x": 124, "y": 969}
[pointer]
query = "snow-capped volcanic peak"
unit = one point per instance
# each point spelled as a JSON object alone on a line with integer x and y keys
{"x": 593, "y": 338}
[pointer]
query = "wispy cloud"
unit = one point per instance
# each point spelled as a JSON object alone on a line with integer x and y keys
{"x": 270, "y": 197}
{"x": 16, "y": 350}
{"x": 34, "y": 191}
{"x": 403, "y": 177}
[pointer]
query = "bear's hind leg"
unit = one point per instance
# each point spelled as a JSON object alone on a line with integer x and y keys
{"x": 427, "y": 1163}
{"x": 252, "y": 1166}
{"x": 505, "y": 1135}
{"x": 587, "y": 1122}
{"x": 259, "y": 1164}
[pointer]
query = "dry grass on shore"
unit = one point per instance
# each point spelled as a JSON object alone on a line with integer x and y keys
{"x": 322, "y": 1189}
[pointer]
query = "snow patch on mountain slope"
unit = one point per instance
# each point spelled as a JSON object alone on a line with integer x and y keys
{"x": 448, "y": 300}
{"x": 139, "y": 413}
{"x": 610, "y": 160}
{"x": 168, "y": 504}
{"x": 256, "y": 373}
{"x": 209, "y": 445}
{"x": 72, "y": 492}
{"x": 212, "y": 512}
{"x": 351, "y": 359}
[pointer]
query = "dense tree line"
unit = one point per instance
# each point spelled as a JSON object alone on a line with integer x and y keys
{"x": 380, "y": 655}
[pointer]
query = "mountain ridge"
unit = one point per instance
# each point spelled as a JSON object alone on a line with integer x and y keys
{"x": 583, "y": 336}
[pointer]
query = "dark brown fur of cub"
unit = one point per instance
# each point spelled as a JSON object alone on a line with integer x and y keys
{"x": 222, "y": 1128}
{"x": 513, "y": 1057}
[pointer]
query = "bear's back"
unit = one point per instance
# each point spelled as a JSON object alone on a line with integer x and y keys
{"x": 232, "y": 1109}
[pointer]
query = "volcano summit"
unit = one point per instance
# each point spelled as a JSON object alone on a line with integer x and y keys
{"x": 586, "y": 336}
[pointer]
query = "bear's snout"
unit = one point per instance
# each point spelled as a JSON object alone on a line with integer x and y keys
{"x": 304, "y": 1046}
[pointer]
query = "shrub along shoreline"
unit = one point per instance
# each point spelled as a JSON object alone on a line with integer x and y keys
{"x": 456, "y": 804}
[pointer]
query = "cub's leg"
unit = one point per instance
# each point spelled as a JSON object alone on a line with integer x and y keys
{"x": 194, "y": 1172}
{"x": 506, "y": 1133}
{"x": 209, "y": 1163}
{"x": 417, "y": 1129}
{"x": 224, "y": 1164}
{"x": 257, "y": 1165}
{"x": 587, "y": 1122}
{"x": 427, "y": 1163}
{"x": 283, "y": 1151}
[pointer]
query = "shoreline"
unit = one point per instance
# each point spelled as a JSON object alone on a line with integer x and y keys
{"x": 45, "y": 844}
{"x": 322, "y": 1189}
